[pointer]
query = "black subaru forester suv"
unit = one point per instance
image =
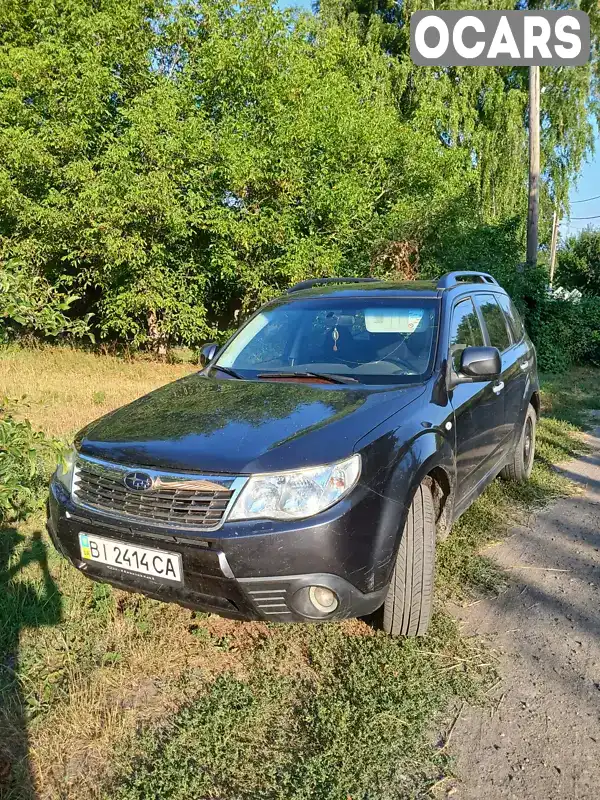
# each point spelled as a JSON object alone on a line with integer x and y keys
{"x": 306, "y": 471}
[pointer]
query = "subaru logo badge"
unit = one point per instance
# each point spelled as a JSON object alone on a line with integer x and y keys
{"x": 138, "y": 481}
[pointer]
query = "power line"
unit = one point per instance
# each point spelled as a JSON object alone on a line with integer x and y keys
{"x": 596, "y": 216}
{"x": 587, "y": 200}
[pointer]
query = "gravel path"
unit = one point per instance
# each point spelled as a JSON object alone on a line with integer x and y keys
{"x": 540, "y": 740}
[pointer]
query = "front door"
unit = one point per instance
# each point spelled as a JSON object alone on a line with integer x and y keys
{"x": 478, "y": 407}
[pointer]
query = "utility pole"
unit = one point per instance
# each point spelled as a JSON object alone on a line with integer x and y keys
{"x": 534, "y": 166}
{"x": 553, "y": 244}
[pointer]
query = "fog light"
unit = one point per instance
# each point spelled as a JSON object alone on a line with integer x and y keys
{"x": 324, "y": 600}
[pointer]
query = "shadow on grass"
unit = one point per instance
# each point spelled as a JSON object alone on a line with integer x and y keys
{"x": 24, "y": 603}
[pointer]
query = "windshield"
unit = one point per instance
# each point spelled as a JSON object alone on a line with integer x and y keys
{"x": 370, "y": 340}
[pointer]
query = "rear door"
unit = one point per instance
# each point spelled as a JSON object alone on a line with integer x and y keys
{"x": 478, "y": 408}
{"x": 498, "y": 334}
{"x": 522, "y": 354}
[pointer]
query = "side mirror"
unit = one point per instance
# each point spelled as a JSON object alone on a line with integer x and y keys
{"x": 208, "y": 352}
{"x": 478, "y": 364}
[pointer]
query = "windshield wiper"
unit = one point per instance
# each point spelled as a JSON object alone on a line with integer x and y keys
{"x": 227, "y": 371}
{"x": 320, "y": 375}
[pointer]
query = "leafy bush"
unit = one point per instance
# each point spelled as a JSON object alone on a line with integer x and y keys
{"x": 567, "y": 333}
{"x": 29, "y": 303}
{"x": 564, "y": 332}
{"x": 554, "y": 334}
{"x": 579, "y": 262}
{"x": 26, "y": 459}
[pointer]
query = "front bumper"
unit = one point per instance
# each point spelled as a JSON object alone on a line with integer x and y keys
{"x": 257, "y": 576}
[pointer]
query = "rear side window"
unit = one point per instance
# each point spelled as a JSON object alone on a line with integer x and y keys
{"x": 465, "y": 330}
{"x": 514, "y": 320}
{"x": 494, "y": 320}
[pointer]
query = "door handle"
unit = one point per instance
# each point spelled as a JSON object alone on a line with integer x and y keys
{"x": 524, "y": 365}
{"x": 498, "y": 387}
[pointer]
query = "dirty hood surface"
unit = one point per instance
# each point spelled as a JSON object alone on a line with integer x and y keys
{"x": 201, "y": 424}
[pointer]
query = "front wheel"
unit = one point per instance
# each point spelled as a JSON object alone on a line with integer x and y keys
{"x": 519, "y": 467}
{"x": 407, "y": 607}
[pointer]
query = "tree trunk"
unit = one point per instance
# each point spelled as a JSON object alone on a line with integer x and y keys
{"x": 159, "y": 344}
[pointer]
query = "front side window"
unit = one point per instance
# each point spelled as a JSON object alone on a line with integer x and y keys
{"x": 465, "y": 330}
{"x": 494, "y": 321}
{"x": 371, "y": 340}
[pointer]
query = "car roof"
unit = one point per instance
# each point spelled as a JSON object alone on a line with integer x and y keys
{"x": 370, "y": 288}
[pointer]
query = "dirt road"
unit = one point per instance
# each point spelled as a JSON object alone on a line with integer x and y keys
{"x": 540, "y": 740}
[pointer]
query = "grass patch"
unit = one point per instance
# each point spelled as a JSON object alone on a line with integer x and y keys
{"x": 225, "y": 709}
{"x": 66, "y": 388}
{"x": 570, "y": 397}
{"x": 348, "y": 723}
{"x": 462, "y": 567}
{"x": 82, "y": 666}
{"x": 462, "y": 564}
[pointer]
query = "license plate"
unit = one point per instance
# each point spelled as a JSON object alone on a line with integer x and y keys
{"x": 155, "y": 564}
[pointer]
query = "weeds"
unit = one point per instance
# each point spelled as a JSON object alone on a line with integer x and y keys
{"x": 26, "y": 459}
{"x": 350, "y": 724}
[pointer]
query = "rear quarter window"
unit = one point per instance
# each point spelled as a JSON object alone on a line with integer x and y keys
{"x": 514, "y": 320}
{"x": 495, "y": 321}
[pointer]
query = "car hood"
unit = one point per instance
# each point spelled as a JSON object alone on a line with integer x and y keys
{"x": 202, "y": 424}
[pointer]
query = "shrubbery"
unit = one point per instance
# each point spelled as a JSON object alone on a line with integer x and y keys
{"x": 565, "y": 332}
{"x": 579, "y": 262}
{"x": 28, "y": 303}
{"x": 26, "y": 460}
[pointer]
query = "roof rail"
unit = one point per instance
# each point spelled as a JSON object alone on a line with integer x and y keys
{"x": 452, "y": 278}
{"x": 316, "y": 281}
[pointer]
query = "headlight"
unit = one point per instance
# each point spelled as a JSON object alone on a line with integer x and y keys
{"x": 64, "y": 470}
{"x": 293, "y": 495}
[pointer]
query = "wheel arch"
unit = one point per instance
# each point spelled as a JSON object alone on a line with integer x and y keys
{"x": 536, "y": 401}
{"x": 442, "y": 490}
{"x": 430, "y": 459}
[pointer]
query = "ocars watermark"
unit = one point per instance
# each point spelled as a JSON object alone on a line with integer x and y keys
{"x": 499, "y": 38}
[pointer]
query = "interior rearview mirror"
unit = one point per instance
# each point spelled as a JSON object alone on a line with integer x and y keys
{"x": 478, "y": 364}
{"x": 207, "y": 353}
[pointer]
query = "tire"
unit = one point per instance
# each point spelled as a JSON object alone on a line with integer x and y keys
{"x": 521, "y": 464}
{"x": 407, "y": 607}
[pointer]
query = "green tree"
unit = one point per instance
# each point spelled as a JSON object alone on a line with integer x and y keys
{"x": 178, "y": 162}
{"x": 173, "y": 163}
{"x": 483, "y": 111}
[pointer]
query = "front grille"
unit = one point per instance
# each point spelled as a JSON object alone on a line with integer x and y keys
{"x": 173, "y": 500}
